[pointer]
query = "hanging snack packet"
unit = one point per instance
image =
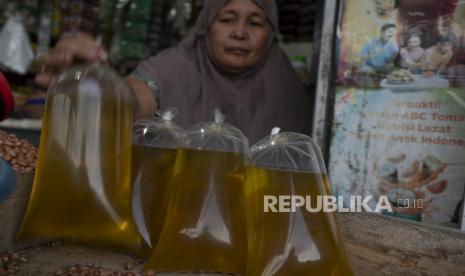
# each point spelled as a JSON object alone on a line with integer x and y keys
{"x": 153, "y": 154}
{"x": 204, "y": 229}
{"x": 295, "y": 238}
{"x": 82, "y": 188}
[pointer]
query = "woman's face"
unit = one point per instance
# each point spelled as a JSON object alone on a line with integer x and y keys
{"x": 239, "y": 34}
{"x": 444, "y": 47}
{"x": 413, "y": 42}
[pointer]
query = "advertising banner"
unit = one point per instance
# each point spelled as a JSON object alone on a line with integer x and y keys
{"x": 399, "y": 114}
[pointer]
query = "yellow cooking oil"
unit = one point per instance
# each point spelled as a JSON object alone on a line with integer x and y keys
{"x": 282, "y": 241}
{"x": 204, "y": 228}
{"x": 82, "y": 187}
{"x": 152, "y": 169}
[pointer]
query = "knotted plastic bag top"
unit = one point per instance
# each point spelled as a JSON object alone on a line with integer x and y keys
{"x": 159, "y": 132}
{"x": 287, "y": 150}
{"x": 216, "y": 136}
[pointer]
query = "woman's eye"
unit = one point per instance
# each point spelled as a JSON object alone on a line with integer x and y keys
{"x": 226, "y": 20}
{"x": 256, "y": 23}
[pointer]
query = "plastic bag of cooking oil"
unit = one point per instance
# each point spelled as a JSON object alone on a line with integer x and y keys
{"x": 287, "y": 232}
{"x": 82, "y": 187}
{"x": 204, "y": 227}
{"x": 153, "y": 153}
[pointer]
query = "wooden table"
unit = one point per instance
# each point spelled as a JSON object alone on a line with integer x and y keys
{"x": 376, "y": 245}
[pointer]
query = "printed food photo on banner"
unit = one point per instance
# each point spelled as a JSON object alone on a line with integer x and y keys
{"x": 398, "y": 124}
{"x": 402, "y": 44}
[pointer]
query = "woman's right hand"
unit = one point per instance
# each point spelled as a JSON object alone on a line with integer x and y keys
{"x": 79, "y": 47}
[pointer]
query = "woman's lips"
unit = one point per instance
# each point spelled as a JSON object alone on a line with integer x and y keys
{"x": 237, "y": 51}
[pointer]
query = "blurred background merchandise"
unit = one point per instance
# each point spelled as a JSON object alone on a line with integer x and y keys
{"x": 131, "y": 30}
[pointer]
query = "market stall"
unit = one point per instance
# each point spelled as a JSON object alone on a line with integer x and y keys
{"x": 223, "y": 173}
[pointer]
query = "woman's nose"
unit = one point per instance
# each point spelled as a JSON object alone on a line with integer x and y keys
{"x": 240, "y": 31}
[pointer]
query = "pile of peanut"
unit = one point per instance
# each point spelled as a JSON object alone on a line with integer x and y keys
{"x": 92, "y": 269}
{"x": 19, "y": 153}
{"x": 9, "y": 262}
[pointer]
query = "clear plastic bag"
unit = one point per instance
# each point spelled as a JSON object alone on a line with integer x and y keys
{"x": 82, "y": 189}
{"x": 204, "y": 229}
{"x": 293, "y": 241}
{"x": 15, "y": 47}
{"x": 153, "y": 154}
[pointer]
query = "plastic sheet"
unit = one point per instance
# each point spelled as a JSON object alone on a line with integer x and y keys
{"x": 295, "y": 241}
{"x": 15, "y": 47}
{"x": 82, "y": 189}
{"x": 204, "y": 228}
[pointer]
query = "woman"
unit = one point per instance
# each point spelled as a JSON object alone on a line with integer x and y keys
{"x": 429, "y": 18}
{"x": 230, "y": 60}
{"x": 413, "y": 55}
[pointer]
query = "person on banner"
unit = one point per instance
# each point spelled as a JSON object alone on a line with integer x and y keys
{"x": 434, "y": 20}
{"x": 378, "y": 54}
{"x": 438, "y": 56}
{"x": 413, "y": 55}
{"x": 430, "y": 19}
{"x": 231, "y": 60}
{"x": 445, "y": 31}
{"x": 456, "y": 69}
{"x": 383, "y": 11}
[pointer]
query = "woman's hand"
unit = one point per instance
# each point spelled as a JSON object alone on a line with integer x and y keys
{"x": 84, "y": 48}
{"x": 79, "y": 47}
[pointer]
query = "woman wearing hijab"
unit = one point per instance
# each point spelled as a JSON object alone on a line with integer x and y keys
{"x": 231, "y": 60}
